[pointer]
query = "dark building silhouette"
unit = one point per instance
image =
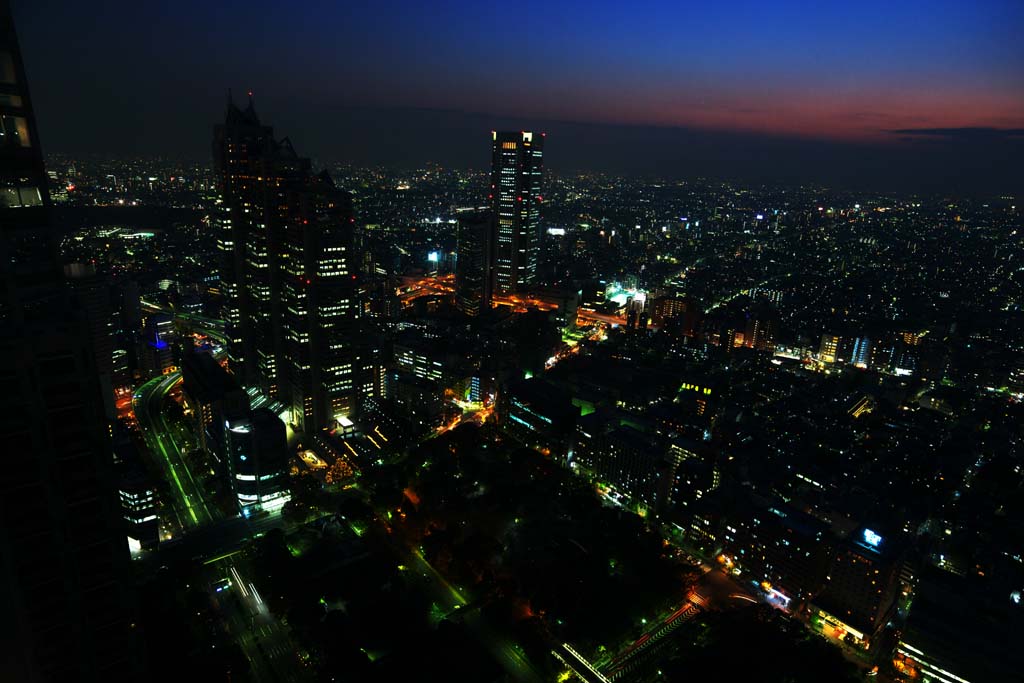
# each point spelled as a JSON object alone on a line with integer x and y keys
{"x": 64, "y": 586}
{"x": 92, "y": 295}
{"x": 474, "y": 269}
{"x": 677, "y": 314}
{"x": 539, "y": 415}
{"x": 138, "y": 493}
{"x": 517, "y": 166}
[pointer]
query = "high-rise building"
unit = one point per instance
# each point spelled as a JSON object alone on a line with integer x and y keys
{"x": 628, "y": 460}
{"x": 861, "y": 356}
{"x": 474, "y": 268}
{"x": 783, "y": 547}
{"x": 517, "y": 166}
{"x": 255, "y": 172}
{"x": 64, "y": 576}
{"x": 289, "y": 276}
{"x": 862, "y": 585}
{"x": 321, "y": 295}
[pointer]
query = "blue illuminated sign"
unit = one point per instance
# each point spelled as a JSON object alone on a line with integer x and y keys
{"x": 871, "y": 538}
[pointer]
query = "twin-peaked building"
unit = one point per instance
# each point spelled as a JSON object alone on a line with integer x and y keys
{"x": 289, "y": 276}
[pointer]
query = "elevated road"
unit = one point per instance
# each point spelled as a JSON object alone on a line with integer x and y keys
{"x": 578, "y": 664}
{"x": 639, "y": 651}
{"x": 195, "y": 318}
{"x": 147, "y": 403}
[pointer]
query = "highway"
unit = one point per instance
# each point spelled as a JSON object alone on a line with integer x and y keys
{"x": 593, "y": 316}
{"x": 147, "y": 403}
{"x": 148, "y": 406}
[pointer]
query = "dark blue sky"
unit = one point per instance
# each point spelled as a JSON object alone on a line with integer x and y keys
{"x": 811, "y": 90}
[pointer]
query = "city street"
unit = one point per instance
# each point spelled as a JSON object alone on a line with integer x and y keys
{"x": 264, "y": 640}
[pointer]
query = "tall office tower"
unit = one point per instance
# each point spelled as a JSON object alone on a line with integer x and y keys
{"x": 289, "y": 276}
{"x": 321, "y": 292}
{"x": 64, "y": 576}
{"x": 517, "y": 164}
{"x": 254, "y": 173}
{"x": 473, "y": 272}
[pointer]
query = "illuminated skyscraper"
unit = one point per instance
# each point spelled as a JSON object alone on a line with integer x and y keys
{"x": 64, "y": 575}
{"x": 517, "y": 166}
{"x": 289, "y": 276}
{"x": 320, "y": 289}
{"x": 255, "y": 172}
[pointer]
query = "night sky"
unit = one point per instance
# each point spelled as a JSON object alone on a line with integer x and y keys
{"x": 916, "y": 95}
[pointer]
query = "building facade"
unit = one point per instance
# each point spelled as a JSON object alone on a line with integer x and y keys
{"x": 474, "y": 268}
{"x": 517, "y": 166}
{"x": 258, "y": 455}
{"x": 289, "y": 277}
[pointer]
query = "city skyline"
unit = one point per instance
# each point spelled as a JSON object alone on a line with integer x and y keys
{"x": 920, "y": 96}
{"x": 310, "y": 408}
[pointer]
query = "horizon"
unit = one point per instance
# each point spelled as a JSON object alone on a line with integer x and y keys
{"x": 927, "y": 102}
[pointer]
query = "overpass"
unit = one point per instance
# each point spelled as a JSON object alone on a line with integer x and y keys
{"x": 195, "y": 318}
{"x": 634, "y": 655}
{"x": 147, "y": 403}
{"x": 578, "y": 664}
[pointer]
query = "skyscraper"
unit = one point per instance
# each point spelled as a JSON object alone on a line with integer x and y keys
{"x": 517, "y": 164}
{"x": 321, "y": 290}
{"x": 289, "y": 276}
{"x": 255, "y": 172}
{"x": 64, "y": 584}
{"x": 474, "y": 273}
